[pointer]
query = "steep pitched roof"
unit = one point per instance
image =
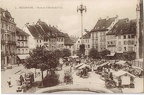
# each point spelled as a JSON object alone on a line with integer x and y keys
{"x": 21, "y": 32}
{"x": 67, "y": 40}
{"x": 103, "y": 24}
{"x": 123, "y": 26}
{"x": 33, "y": 31}
{"x": 86, "y": 35}
{"x": 51, "y": 31}
{"x": 74, "y": 39}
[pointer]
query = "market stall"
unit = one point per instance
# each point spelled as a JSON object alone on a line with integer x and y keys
{"x": 127, "y": 79}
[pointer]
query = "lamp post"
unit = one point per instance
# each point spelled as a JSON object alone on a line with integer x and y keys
{"x": 81, "y": 8}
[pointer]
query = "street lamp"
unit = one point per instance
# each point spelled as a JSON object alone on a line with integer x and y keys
{"x": 81, "y": 8}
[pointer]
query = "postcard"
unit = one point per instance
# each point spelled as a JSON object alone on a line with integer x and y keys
{"x": 72, "y": 46}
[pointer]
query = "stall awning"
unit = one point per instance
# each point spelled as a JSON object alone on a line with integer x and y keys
{"x": 121, "y": 73}
{"x": 23, "y": 56}
{"x": 121, "y": 62}
{"x": 104, "y": 64}
{"x": 111, "y": 54}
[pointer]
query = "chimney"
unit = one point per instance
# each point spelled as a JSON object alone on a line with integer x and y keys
{"x": 39, "y": 19}
{"x": 27, "y": 24}
{"x": 107, "y": 18}
{"x": 49, "y": 25}
{"x": 33, "y": 23}
{"x": 116, "y": 15}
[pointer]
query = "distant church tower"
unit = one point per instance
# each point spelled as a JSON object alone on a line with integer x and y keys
{"x": 139, "y": 31}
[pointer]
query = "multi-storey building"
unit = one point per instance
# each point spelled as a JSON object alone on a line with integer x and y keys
{"x": 68, "y": 44}
{"x": 8, "y": 38}
{"x": 22, "y": 45}
{"x": 87, "y": 42}
{"x": 111, "y": 37}
{"x": 42, "y": 34}
{"x": 98, "y": 33}
{"x": 121, "y": 38}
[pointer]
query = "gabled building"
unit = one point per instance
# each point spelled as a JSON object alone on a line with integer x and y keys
{"x": 22, "y": 45}
{"x": 87, "y": 42}
{"x": 68, "y": 44}
{"x": 98, "y": 33}
{"x": 121, "y": 38}
{"x": 42, "y": 34}
{"x": 8, "y": 38}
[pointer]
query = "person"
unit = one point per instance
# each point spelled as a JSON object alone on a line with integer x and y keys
{"x": 9, "y": 81}
{"x": 111, "y": 76}
{"x": 119, "y": 82}
{"x": 21, "y": 79}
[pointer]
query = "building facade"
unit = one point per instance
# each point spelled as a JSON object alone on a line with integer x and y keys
{"x": 98, "y": 33}
{"x": 8, "y": 38}
{"x": 121, "y": 38}
{"x": 42, "y": 34}
{"x": 22, "y": 45}
{"x": 87, "y": 43}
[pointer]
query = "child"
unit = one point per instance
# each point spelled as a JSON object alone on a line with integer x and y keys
{"x": 9, "y": 82}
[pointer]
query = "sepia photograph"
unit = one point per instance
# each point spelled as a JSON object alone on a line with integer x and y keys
{"x": 71, "y": 46}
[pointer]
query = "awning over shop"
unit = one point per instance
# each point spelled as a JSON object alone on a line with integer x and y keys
{"x": 23, "y": 56}
{"x": 111, "y": 54}
{"x": 83, "y": 66}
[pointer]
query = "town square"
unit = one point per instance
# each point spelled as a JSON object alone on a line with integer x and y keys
{"x": 72, "y": 47}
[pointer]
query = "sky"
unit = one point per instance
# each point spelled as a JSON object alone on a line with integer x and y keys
{"x": 64, "y": 15}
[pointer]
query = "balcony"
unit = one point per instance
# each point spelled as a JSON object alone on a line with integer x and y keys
{"x": 11, "y": 42}
{"x": 22, "y": 40}
{"x": 22, "y": 46}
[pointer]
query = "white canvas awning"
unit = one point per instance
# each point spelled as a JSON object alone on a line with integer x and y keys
{"x": 83, "y": 66}
{"x": 121, "y": 73}
{"x": 104, "y": 64}
{"x": 111, "y": 54}
{"x": 79, "y": 65}
{"x": 23, "y": 56}
{"x": 121, "y": 62}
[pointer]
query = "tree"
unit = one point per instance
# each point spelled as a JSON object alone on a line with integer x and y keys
{"x": 42, "y": 59}
{"x": 129, "y": 56}
{"x": 82, "y": 49}
{"x": 93, "y": 53}
{"x": 104, "y": 53}
{"x": 58, "y": 53}
{"x": 66, "y": 53}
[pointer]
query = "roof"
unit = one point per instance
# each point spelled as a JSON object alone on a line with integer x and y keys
{"x": 6, "y": 15}
{"x": 74, "y": 39}
{"x": 86, "y": 36}
{"x": 67, "y": 40}
{"x": 121, "y": 73}
{"x": 123, "y": 26}
{"x": 21, "y": 32}
{"x": 103, "y": 24}
{"x": 33, "y": 31}
{"x": 41, "y": 29}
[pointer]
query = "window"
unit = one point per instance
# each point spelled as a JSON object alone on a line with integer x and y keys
{"x": 119, "y": 43}
{"x": 40, "y": 41}
{"x": 132, "y": 36}
{"x": 22, "y": 50}
{"x": 88, "y": 46}
{"x": 119, "y": 37}
{"x": 129, "y": 36}
{"x": 124, "y": 36}
{"x": 18, "y": 50}
{"x": 125, "y": 48}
